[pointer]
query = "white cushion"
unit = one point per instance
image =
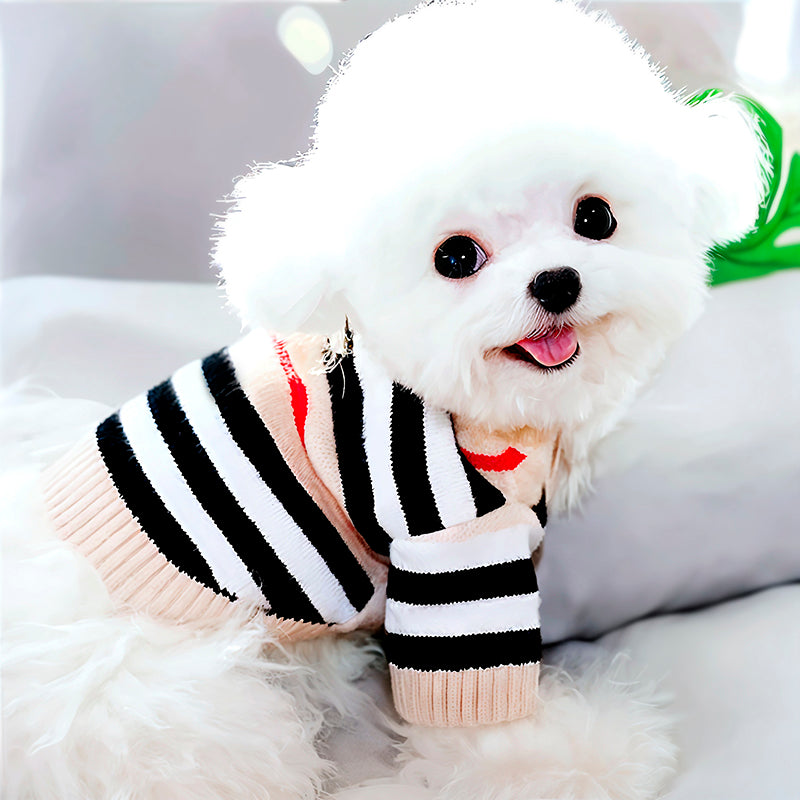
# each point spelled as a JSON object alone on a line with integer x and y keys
{"x": 698, "y": 496}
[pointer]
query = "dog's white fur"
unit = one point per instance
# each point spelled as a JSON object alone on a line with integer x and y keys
{"x": 494, "y": 119}
{"x": 491, "y": 118}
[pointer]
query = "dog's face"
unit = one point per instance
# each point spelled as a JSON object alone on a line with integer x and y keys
{"x": 508, "y": 205}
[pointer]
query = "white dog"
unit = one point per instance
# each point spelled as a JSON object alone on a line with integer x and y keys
{"x": 506, "y": 211}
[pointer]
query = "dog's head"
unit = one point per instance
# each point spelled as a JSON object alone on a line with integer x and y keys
{"x": 507, "y": 203}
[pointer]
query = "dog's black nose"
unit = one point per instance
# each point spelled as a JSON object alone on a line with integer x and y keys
{"x": 556, "y": 289}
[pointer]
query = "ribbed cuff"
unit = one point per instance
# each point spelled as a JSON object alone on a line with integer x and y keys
{"x": 468, "y": 697}
{"x": 88, "y": 512}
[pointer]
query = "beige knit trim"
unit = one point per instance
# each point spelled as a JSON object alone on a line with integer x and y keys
{"x": 472, "y": 697}
{"x": 286, "y": 630}
{"x": 88, "y": 512}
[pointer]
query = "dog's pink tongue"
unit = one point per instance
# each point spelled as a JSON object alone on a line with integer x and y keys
{"x": 553, "y": 348}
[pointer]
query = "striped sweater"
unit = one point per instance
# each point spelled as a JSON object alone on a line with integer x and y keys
{"x": 331, "y": 499}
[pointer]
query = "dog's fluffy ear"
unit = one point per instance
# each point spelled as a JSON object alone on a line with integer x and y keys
{"x": 277, "y": 252}
{"x": 730, "y": 160}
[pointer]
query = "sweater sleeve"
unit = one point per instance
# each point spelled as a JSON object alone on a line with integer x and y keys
{"x": 462, "y": 621}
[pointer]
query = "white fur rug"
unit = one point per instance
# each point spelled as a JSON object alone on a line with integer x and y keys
{"x": 105, "y": 706}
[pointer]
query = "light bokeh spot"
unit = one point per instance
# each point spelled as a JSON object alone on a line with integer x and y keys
{"x": 305, "y": 35}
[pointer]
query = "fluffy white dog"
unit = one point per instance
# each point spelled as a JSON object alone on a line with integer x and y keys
{"x": 510, "y": 209}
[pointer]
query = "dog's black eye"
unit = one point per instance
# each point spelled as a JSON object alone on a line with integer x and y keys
{"x": 593, "y": 219}
{"x": 459, "y": 257}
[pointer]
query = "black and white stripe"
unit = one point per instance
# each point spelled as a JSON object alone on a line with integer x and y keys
{"x": 457, "y": 653}
{"x": 347, "y": 410}
{"x": 194, "y": 462}
{"x": 196, "y": 465}
{"x": 467, "y": 604}
{"x": 138, "y": 495}
{"x": 401, "y": 469}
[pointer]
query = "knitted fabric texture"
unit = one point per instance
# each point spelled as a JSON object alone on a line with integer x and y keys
{"x": 333, "y": 500}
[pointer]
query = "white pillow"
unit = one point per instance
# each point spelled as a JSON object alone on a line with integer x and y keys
{"x": 698, "y": 496}
{"x": 107, "y": 340}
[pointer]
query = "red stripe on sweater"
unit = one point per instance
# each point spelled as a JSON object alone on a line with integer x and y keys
{"x": 297, "y": 390}
{"x": 509, "y": 459}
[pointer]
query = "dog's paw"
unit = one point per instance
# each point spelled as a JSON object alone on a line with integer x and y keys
{"x": 599, "y": 734}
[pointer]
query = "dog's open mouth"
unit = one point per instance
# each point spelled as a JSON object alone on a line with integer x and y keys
{"x": 554, "y": 349}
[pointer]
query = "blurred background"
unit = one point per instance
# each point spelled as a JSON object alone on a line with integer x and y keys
{"x": 124, "y": 124}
